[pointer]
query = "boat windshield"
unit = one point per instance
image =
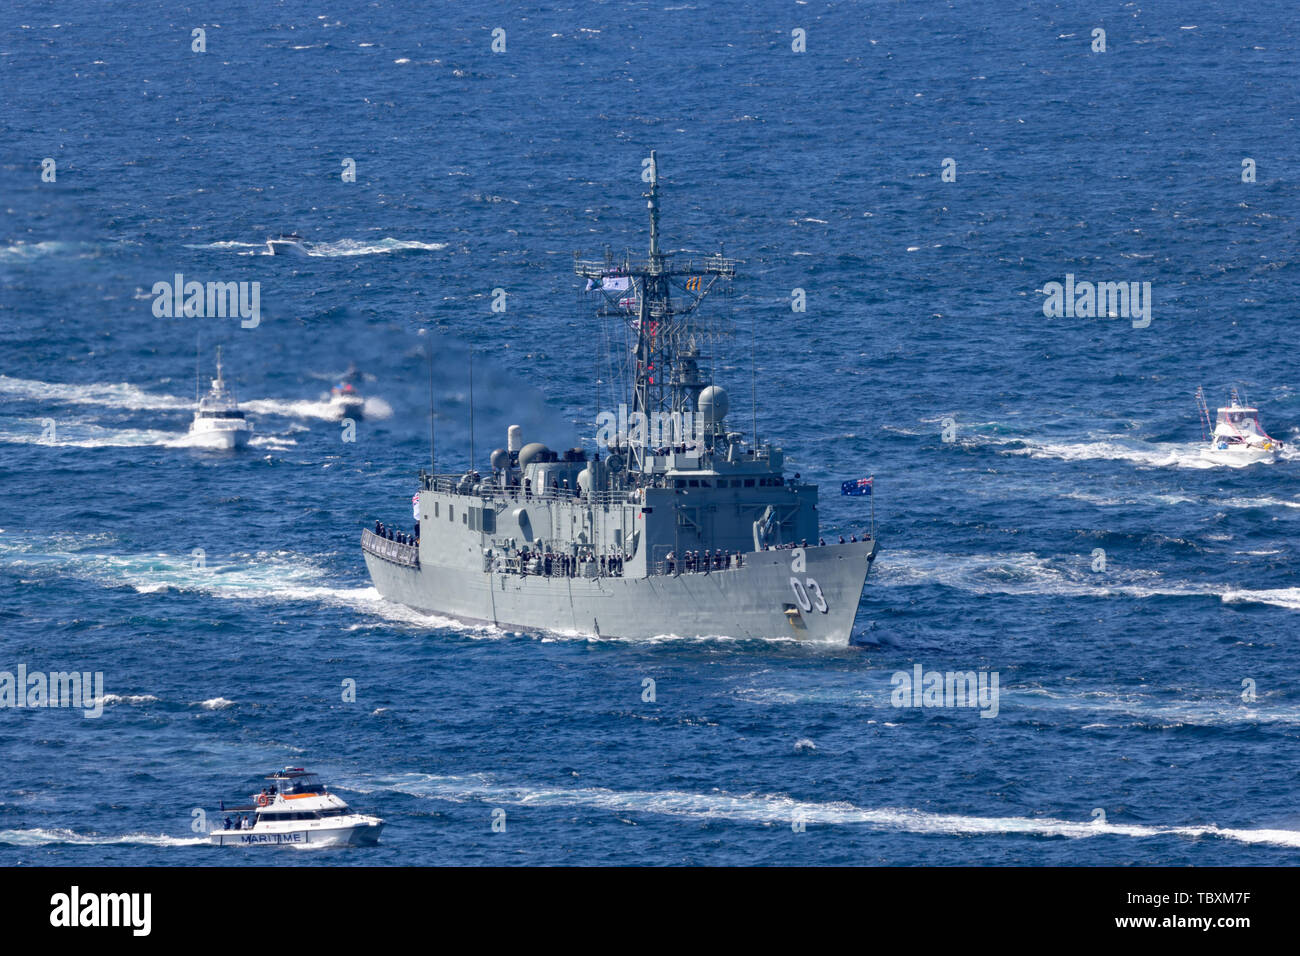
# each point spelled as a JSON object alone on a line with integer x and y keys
{"x": 304, "y": 783}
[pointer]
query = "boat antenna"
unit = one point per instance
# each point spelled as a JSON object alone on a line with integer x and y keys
{"x": 1207, "y": 425}
{"x": 753, "y": 375}
{"x": 196, "y": 368}
{"x": 433, "y": 466}
{"x": 218, "y": 363}
{"x": 654, "y": 206}
{"x": 471, "y": 408}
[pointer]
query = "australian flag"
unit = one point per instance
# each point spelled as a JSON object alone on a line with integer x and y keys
{"x": 860, "y": 487}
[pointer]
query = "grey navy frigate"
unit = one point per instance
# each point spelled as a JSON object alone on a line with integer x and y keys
{"x": 675, "y": 524}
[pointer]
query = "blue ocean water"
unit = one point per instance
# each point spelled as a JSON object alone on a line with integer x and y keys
{"x": 1122, "y": 690}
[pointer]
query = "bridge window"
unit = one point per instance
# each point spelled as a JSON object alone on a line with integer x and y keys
{"x": 749, "y": 482}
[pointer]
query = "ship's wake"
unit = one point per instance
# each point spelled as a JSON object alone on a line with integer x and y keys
{"x": 340, "y": 248}
{"x": 1145, "y": 454}
{"x": 777, "y": 810}
{"x": 60, "y": 836}
{"x": 1026, "y": 573}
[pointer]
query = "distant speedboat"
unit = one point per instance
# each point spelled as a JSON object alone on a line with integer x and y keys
{"x": 218, "y": 420}
{"x": 346, "y": 402}
{"x": 296, "y": 809}
{"x": 1235, "y": 436}
{"x": 286, "y": 244}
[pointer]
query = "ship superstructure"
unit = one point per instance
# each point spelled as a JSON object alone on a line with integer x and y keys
{"x": 675, "y": 524}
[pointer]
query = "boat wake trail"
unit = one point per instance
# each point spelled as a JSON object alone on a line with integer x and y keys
{"x": 353, "y": 247}
{"x": 374, "y": 409}
{"x": 128, "y": 397}
{"x": 1144, "y": 454}
{"x": 42, "y": 836}
{"x": 1086, "y": 710}
{"x": 120, "y": 395}
{"x": 280, "y": 576}
{"x": 82, "y": 435}
{"x": 1026, "y": 573}
{"x": 340, "y": 248}
{"x": 769, "y": 809}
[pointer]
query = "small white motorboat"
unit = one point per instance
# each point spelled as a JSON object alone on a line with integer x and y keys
{"x": 1235, "y": 436}
{"x": 218, "y": 420}
{"x": 346, "y": 402}
{"x": 295, "y": 809}
{"x": 286, "y": 244}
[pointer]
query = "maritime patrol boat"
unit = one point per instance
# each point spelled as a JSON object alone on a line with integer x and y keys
{"x": 296, "y": 809}
{"x": 676, "y": 523}
{"x": 1235, "y": 436}
{"x": 218, "y": 420}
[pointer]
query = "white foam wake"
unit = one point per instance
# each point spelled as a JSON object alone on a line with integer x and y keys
{"x": 47, "y": 836}
{"x": 321, "y": 409}
{"x": 264, "y": 576}
{"x": 112, "y": 395}
{"x": 83, "y": 435}
{"x": 1029, "y": 574}
{"x": 126, "y": 396}
{"x": 771, "y": 809}
{"x": 1149, "y": 454}
{"x": 354, "y": 247}
{"x": 339, "y": 248}
{"x": 21, "y": 251}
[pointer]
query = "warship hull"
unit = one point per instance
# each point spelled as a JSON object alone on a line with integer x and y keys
{"x": 760, "y": 599}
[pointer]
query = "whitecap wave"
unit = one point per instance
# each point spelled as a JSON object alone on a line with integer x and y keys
{"x": 109, "y": 700}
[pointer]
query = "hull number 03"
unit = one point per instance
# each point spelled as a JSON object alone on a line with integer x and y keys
{"x": 809, "y": 594}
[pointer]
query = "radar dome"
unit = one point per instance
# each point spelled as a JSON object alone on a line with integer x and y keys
{"x": 714, "y": 404}
{"x": 500, "y": 459}
{"x": 533, "y": 451}
{"x": 584, "y": 479}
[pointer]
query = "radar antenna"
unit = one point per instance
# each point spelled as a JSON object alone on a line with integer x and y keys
{"x": 659, "y": 300}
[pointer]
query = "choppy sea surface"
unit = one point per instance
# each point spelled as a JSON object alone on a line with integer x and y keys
{"x": 1148, "y": 711}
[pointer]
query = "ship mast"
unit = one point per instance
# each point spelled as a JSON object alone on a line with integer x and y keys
{"x": 668, "y": 330}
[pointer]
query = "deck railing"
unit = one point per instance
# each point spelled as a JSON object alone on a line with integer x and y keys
{"x": 407, "y": 555}
{"x": 489, "y": 491}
